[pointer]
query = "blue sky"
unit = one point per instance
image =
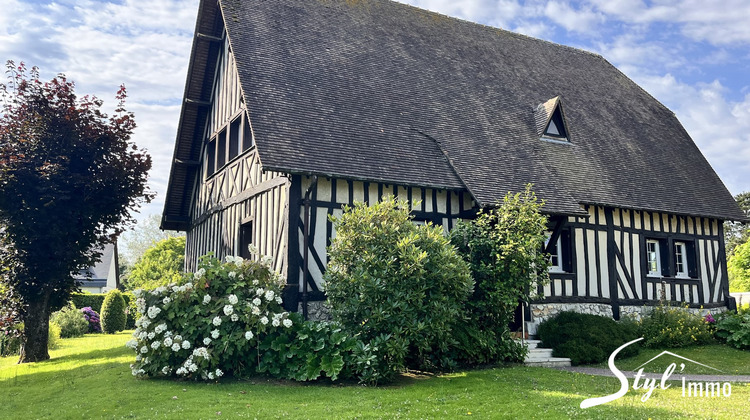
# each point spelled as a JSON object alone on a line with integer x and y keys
{"x": 692, "y": 55}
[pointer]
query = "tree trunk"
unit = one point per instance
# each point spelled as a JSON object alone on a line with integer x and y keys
{"x": 35, "y": 330}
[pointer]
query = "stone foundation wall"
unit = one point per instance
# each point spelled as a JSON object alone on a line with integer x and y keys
{"x": 317, "y": 311}
{"x": 543, "y": 311}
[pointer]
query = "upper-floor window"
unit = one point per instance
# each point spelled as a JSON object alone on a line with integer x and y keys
{"x": 653, "y": 256}
{"x": 680, "y": 258}
{"x": 228, "y": 143}
{"x": 560, "y": 253}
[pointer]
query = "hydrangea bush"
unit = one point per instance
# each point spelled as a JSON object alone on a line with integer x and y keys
{"x": 93, "y": 318}
{"x": 208, "y": 325}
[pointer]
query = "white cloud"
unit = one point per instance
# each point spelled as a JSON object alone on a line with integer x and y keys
{"x": 582, "y": 20}
{"x": 720, "y": 127}
{"x": 719, "y": 22}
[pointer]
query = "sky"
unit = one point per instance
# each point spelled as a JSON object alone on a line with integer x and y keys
{"x": 692, "y": 55}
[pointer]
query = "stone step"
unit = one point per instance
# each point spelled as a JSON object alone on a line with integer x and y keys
{"x": 532, "y": 344}
{"x": 548, "y": 362}
{"x": 539, "y": 353}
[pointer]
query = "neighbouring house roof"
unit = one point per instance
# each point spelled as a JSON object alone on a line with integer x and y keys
{"x": 98, "y": 274}
{"x": 378, "y": 90}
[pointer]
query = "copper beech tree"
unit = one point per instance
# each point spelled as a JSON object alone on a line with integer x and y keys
{"x": 70, "y": 177}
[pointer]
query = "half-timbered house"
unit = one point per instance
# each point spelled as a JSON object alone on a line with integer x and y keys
{"x": 295, "y": 108}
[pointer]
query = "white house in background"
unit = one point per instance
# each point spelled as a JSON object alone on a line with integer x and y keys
{"x": 102, "y": 277}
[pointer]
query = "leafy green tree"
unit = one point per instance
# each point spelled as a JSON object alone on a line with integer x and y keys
{"x": 739, "y": 269}
{"x": 144, "y": 235}
{"x": 393, "y": 282}
{"x": 69, "y": 179}
{"x": 737, "y": 233}
{"x": 503, "y": 248}
{"x": 160, "y": 265}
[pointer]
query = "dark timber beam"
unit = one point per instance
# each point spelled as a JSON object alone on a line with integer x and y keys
{"x": 187, "y": 162}
{"x": 196, "y": 102}
{"x": 208, "y": 38}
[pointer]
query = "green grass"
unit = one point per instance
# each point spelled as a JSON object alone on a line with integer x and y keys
{"x": 729, "y": 360}
{"x": 89, "y": 377}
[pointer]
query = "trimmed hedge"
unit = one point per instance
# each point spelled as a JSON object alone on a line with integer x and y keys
{"x": 586, "y": 338}
{"x": 113, "y": 316}
{"x": 95, "y": 301}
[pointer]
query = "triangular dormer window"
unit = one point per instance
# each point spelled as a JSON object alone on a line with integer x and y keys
{"x": 550, "y": 121}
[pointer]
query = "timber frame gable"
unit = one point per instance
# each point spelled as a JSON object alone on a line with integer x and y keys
{"x": 287, "y": 117}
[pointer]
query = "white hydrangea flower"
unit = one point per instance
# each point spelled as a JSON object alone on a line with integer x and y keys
{"x": 145, "y": 323}
{"x": 207, "y": 341}
{"x": 160, "y": 290}
{"x": 215, "y": 334}
{"x": 138, "y": 357}
{"x": 257, "y": 302}
{"x": 176, "y": 346}
{"x": 151, "y": 335}
{"x": 228, "y": 310}
{"x": 229, "y": 258}
{"x": 160, "y": 328}
{"x": 132, "y": 344}
{"x": 167, "y": 342}
{"x": 259, "y": 291}
{"x": 275, "y": 322}
{"x": 143, "y": 335}
{"x": 144, "y": 349}
{"x": 232, "y": 274}
{"x": 178, "y": 338}
{"x": 264, "y": 320}
{"x": 242, "y": 277}
{"x": 216, "y": 321}
{"x": 234, "y": 318}
{"x": 200, "y": 273}
{"x": 138, "y": 293}
{"x": 278, "y": 300}
{"x": 219, "y": 373}
{"x": 233, "y": 299}
{"x": 255, "y": 282}
{"x": 269, "y": 295}
{"x": 185, "y": 344}
{"x": 181, "y": 371}
{"x": 153, "y": 312}
{"x": 256, "y": 310}
{"x": 210, "y": 376}
{"x": 287, "y": 322}
{"x": 188, "y": 286}
{"x": 176, "y": 289}
{"x": 166, "y": 370}
{"x": 155, "y": 345}
{"x": 193, "y": 367}
{"x": 166, "y": 300}
{"x": 206, "y": 299}
{"x": 277, "y": 316}
{"x": 248, "y": 335}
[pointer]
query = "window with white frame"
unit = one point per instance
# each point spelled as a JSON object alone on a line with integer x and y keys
{"x": 653, "y": 257}
{"x": 555, "y": 254}
{"x": 680, "y": 258}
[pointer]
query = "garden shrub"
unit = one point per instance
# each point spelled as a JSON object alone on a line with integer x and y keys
{"x": 53, "y": 336}
{"x": 391, "y": 280}
{"x": 307, "y": 351}
{"x": 502, "y": 248}
{"x": 113, "y": 312}
{"x": 673, "y": 327}
{"x": 71, "y": 321}
{"x": 734, "y": 328}
{"x": 131, "y": 311}
{"x": 586, "y": 338}
{"x": 93, "y": 319}
{"x": 211, "y": 324}
{"x": 160, "y": 265}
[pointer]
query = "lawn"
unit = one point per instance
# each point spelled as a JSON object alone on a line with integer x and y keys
{"x": 89, "y": 377}
{"x": 728, "y": 360}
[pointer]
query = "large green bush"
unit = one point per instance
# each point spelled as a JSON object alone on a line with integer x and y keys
{"x": 211, "y": 324}
{"x": 502, "y": 246}
{"x": 307, "y": 351}
{"x": 734, "y": 328}
{"x": 672, "y": 327}
{"x": 388, "y": 277}
{"x": 586, "y": 338}
{"x": 738, "y": 266}
{"x": 71, "y": 321}
{"x": 113, "y": 318}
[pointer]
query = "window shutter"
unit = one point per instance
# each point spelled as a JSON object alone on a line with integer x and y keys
{"x": 692, "y": 259}
{"x": 567, "y": 255}
{"x": 665, "y": 254}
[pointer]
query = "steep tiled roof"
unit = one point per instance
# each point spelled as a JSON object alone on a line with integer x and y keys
{"x": 341, "y": 87}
